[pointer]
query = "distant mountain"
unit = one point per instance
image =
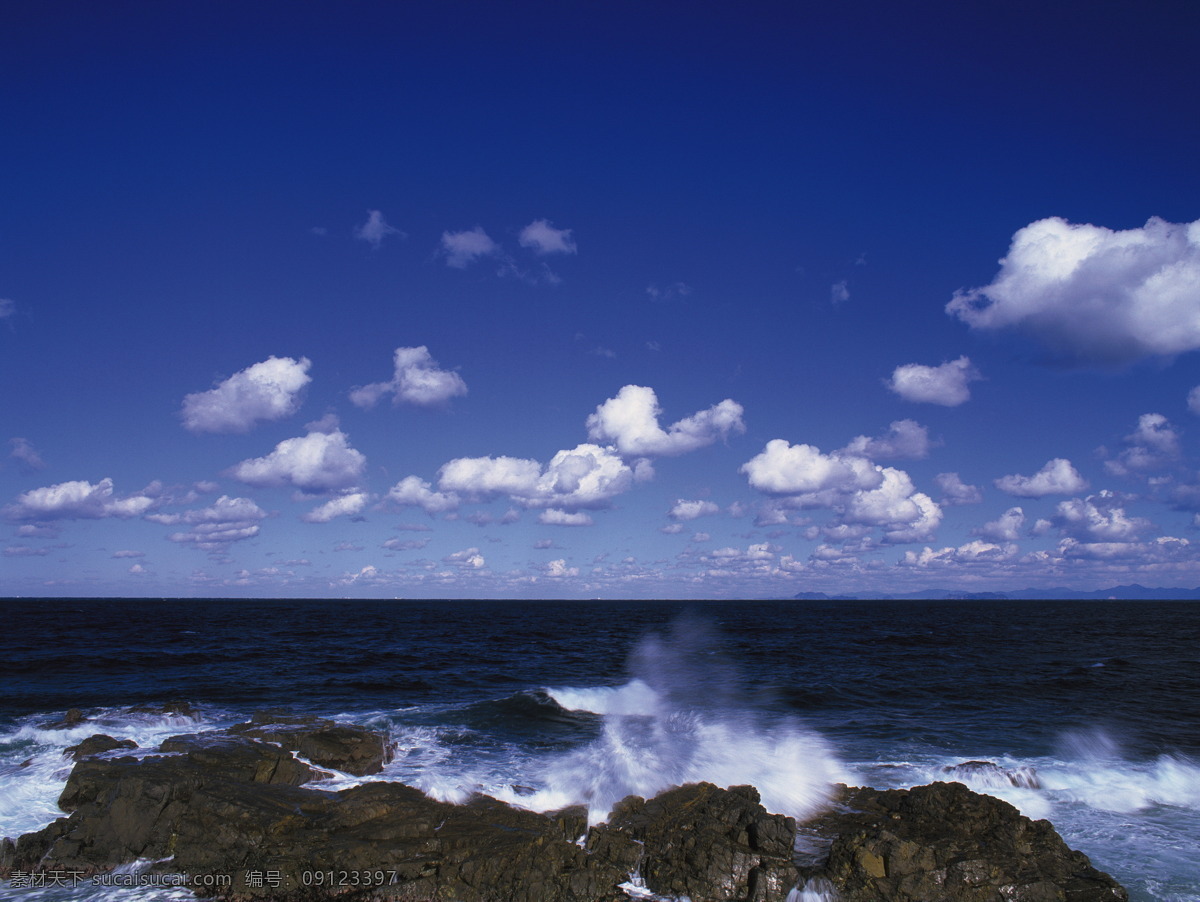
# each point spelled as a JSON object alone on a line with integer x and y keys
{"x": 1058, "y": 593}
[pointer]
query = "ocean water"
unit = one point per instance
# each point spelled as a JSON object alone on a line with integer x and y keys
{"x": 1089, "y": 710}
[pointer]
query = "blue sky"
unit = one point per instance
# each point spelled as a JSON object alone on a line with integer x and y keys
{"x": 598, "y": 299}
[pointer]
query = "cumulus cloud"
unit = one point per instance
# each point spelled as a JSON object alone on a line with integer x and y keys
{"x": 214, "y": 528}
{"x": 317, "y": 462}
{"x": 347, "y": 505}
{"x": 542, "y": 238}
{"x": 587, "y": 476}
{"x": 468, "y": 559}
{"x": 559, "y": 568}
{"x": 904, "y": 439}
{"x": 1098, "y": 518}
{"x": 974, "y": 552}
{"x": 265, "y": 391}
{"x": 417, "y": 379}
{"x": 375, "y": 229}
{"x": 691, "y": 510}
{"x": 1094, "y": 295}
{"x": 786, "y": 469}
{"x": 1153, "y": 445}
{"x": 905, "y": 514}
{"x": 24, "y": 453}
{"x": 412, "y": 491}
{"x": 945, "y": 384}
{"x": 461, "y": 249}
{"x": 77, "y": 500}
{"x": 1006, "y": 527}
{"x": 630, "y": 422}
{"x": 955, "y": 491}
{"x": 1057, "y": 477}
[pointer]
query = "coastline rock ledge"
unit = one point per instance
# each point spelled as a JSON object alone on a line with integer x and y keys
{"x": 225, "y": 813}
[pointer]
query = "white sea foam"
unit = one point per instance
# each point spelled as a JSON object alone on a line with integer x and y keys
{"x": 683, "y": 718}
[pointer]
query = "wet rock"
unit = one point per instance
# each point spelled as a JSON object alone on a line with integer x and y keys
{"x": 349, "y": 748}
{"x": 73, "y": 718}
{"x": 177, "y": 707}
{"x": 989, "y": 773}
{"x": 944, "y": 843}
{"x": 709, "y": 843}
{"x": 98, "y": 744}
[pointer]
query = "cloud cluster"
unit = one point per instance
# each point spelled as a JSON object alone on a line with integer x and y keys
{"x": 630, "y": 423}
{"x": 904, "y": 439}
{"x": 864, "y": 494}
{"x": 349, "y": 504}
{"x": 461, "y": 249}
{"x": 1094, "y": 295}
{"x": 1153, "y": 445}
{"x": 77, "y": 500}
{"x": 416, "y": 379}
{"x": 270, "y": 390}
{"x": 215, "y": 528}
{"x": 317, "y": 462}
{"x": 946, "y": 384}
{"x": 1057, "y": 477}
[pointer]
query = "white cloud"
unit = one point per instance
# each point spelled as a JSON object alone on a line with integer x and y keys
{"x": 317, "y": 462}
{"x": 469, "y": 559}
{"x": 214, "y": 528}
{"x": 839, "y": 292}
{"x": 559, "y": 568}
{"x": 904, "y": 439}
{"x": 7, "y": 308}
{"x": 556, "y": 517}
{"x": 955, "y": 491}
{"x": 265, "y": 391}
{"x": 77, "y": 500}
{"x": 691, "y": 510}
{"x": 464, "y": 248}
{"x": 1094, "y": 295}
{"x": 786, "y": 469}
{"x": 347, "y": 505}
{"x": 412, "y": 491}
{"x": 1154, "y": 445}
{"x": 1006, "y": 527}
{"x": 587, "y": 476}
{"x": 24, "y": 452}
{"x": 542, "y": 238}
{"x": 630, "y": 422}
{"x": 405, "y": 544}
{"x": 1098, "y": 518}
{"x": 375, "y": 229}
{"x": 417, "y": 379}
{"x": 973, "y": 552}
{"x": 945, "y": 384}
{"x": 1057, "y": 477}
{"x": 905, "y": 514}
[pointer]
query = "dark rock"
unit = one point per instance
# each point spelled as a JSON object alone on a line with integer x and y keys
{"x": 944, "y": 842}
{"x": 73, "y": 718}
{"x": 989, "y": 773}
{"x": 710, "y": 844}
{"x": 227, "y": 803}
{"x": 95, "y": 745}
{"x": 345, "y": 747}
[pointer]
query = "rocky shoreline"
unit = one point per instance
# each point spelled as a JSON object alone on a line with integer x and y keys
{"x": 227, "y": 814}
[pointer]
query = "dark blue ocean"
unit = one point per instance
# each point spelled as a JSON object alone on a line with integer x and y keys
{"x": 544, "y": 703}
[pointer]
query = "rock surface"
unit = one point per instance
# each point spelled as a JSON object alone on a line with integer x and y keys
{"x": 945, "y": 842}
{"x": 98, "y": 744}
{"x": 231, "y": 805}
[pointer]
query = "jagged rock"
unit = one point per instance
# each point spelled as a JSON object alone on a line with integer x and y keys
{"x": 73, "y": 718}
{"x": 943, "y": 842}
{"x": 989, "y": 773}
{"x": 712, "y": 844}
{"x": 95, "y": 745}
{"x": 177, "y": 707}
{"x": 326, "y": 743}
{"x": 226, "y": 803}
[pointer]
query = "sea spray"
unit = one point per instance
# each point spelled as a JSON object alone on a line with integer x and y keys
{"x": 684, "y": 717}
